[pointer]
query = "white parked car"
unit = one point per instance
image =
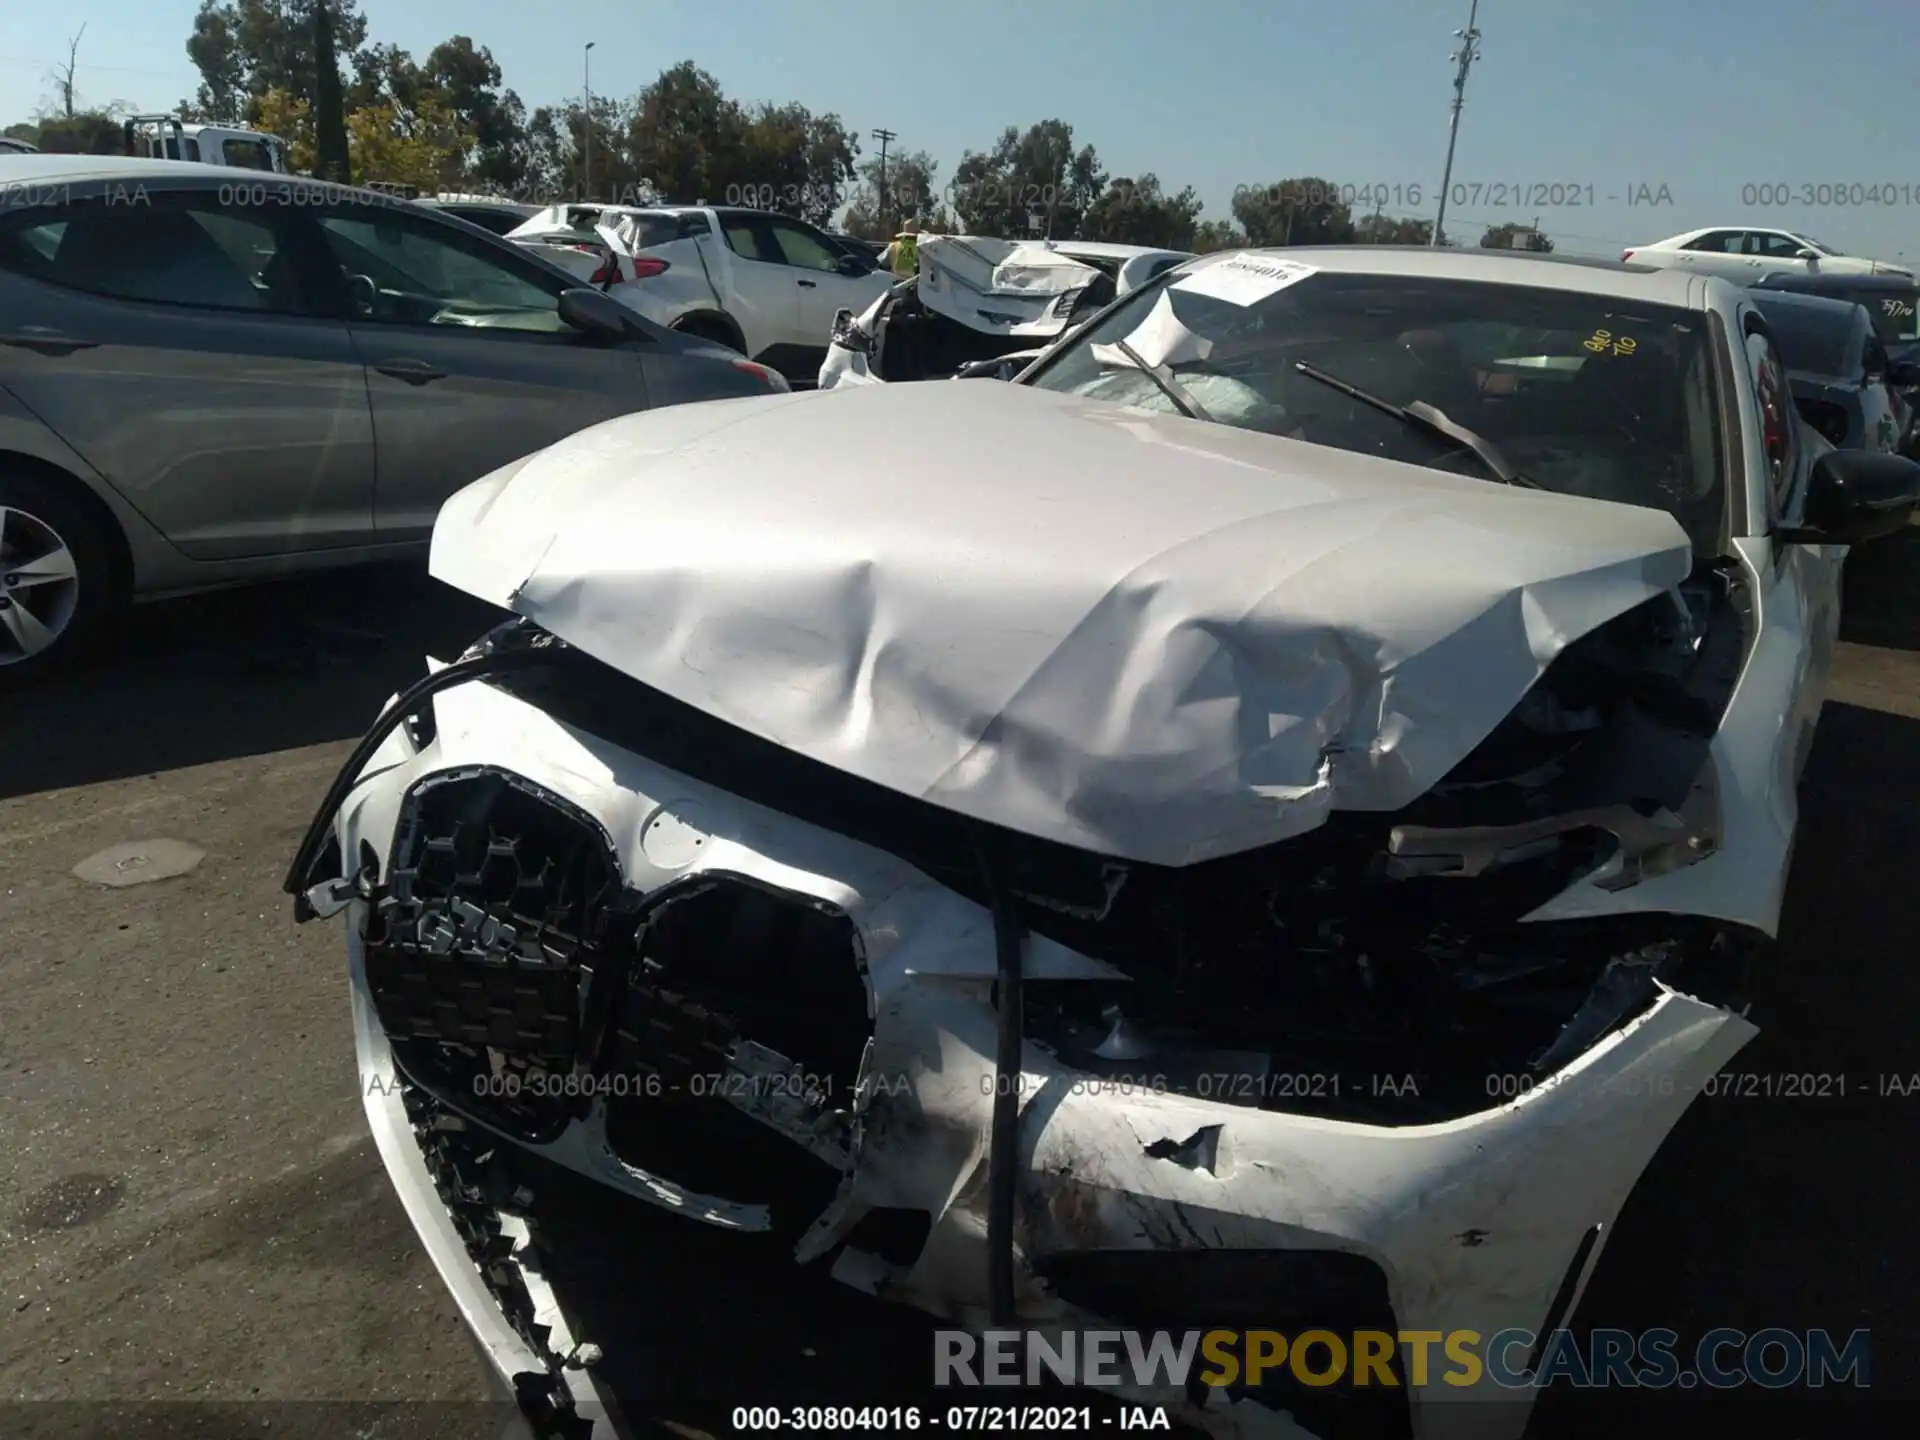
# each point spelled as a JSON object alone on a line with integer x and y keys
{"x": 1743, "y": 255}
{"x": 983, "y": 307}
{"x": 761, "y": 283}
{"x": 1264, "y": 816}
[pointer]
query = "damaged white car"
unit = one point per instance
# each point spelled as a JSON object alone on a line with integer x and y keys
{"x": 982, "y": 308}
{"x": 1263, "y": 827}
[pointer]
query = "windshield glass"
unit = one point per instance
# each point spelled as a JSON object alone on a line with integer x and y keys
{"x": 1583, "y": 394}
{"x": 1811, "y": 340}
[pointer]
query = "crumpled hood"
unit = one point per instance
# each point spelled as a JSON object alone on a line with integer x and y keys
{"x": 1150, "y": 637}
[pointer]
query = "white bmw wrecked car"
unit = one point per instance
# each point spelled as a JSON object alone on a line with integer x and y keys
{"x": 1262, "y": 827}
{"x": 983, "y": 307}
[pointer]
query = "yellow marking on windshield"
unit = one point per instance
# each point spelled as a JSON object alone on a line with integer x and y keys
{"x": 1605, "y": 342}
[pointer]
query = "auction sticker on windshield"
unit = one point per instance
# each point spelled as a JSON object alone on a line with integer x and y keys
{"x": 1244, "y": 279}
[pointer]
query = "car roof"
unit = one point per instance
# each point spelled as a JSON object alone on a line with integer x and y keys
{"x": 1794, "y": 282}
{"x": 1609, "y": 278}
{"x": 1835, "y": 310}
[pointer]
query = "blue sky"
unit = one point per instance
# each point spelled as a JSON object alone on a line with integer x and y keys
{"x": 1703, "y": 97}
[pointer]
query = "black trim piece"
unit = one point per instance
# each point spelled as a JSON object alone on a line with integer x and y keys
{"x": 1563, "y": 1298}
{"x": 300, "y": 874}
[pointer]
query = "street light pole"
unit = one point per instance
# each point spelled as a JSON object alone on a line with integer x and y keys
{"x": 586, "y": 124}
{"x": 1468, "y": 52}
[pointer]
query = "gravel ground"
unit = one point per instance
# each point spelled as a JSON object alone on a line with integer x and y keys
{"x": 190, "y": 1208}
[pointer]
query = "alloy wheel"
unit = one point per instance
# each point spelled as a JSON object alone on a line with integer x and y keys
{"x": 39, "y": 585}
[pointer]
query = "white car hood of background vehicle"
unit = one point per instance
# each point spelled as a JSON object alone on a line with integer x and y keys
{"x": 998, "y": 287}
{"x": 1150, "y": 637}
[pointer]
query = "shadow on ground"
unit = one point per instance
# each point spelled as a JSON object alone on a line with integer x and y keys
{"x": 1794, "y": 1211}
{"x": 1881, "y": 605}
{"x": 240, "y": 672}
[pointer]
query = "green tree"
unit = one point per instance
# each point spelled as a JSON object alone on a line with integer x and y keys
{"x": 1387, "y": 230}
{"x": 1138, "y": 212}
{"x": 331, "y": 160}
{"x": 807, "y": 159}
{"x": 1029, "y": 182}
{"x": 689, "y": 135}
{"x": 86, "y": 132}
{"x": 1303, "y": 211}
{"x": 467, "y": 82}
{"x": 1510, "y": 236}
{"x": 244, "y": 48}
{"x": 1211, "y": 235}
{"x": 912, "y": 200}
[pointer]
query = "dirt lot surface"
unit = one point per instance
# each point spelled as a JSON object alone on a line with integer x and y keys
{"x": 191, "y": 1210}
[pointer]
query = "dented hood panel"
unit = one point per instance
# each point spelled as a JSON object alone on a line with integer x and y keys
{"x": 1149, "y": 637}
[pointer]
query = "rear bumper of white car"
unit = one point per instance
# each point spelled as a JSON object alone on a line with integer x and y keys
{"x": 1487, "y": 1220}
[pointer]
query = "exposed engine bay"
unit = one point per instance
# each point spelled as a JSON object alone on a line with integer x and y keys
{"x": 626, "y": 992}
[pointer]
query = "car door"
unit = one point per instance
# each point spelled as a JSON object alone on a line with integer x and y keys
{"x": 468, "y": 363}
{"x": 1782, "y": 253}
{"x": 172, "y": 338}
{"x": 1732, "y": 254}
{"x": 1799, "y": 599}
{"x": 763, "y": 295}
{"x": 821, "y": 285}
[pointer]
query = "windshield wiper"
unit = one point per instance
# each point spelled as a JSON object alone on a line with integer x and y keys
{"x": 1170, "y": 387}
{"x": 1423, "y": 416}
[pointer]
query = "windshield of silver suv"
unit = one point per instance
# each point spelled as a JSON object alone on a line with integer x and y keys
{"x": 1583, "y": 394}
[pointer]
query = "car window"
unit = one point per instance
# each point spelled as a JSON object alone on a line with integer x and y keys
{"x": 1780, "y": 247}
{"x": 1164, "y": 264}
{"x": 1727, "y": 241}
{"x": 1778, "y": 437}
{"x": 1894, "y": 315}
{"x": 1584, "y": 394}
{"x": 644, "y": 232}
{"x": 172, "y": 249}
{"x": 747, "y": 237}
{"x": 692, "y": 226}
{"x": 404, "y": 270}
{"x": 247, "y": 155}
{"x": 800, "y": 246}
{"x": 1818, "y": 341}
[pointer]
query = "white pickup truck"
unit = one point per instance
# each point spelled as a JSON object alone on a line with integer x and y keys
{"x": 165, "y": 137}
{"x": 761, "y": 283}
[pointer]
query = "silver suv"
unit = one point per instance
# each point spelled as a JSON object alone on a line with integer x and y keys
{"x": 212, "y": 375}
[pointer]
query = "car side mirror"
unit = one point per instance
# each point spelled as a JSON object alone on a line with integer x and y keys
{"x": 1854, "y": 496}
{"x": 852, "y": 266}
{"x": 1904, "y": 374}
{"x": 1806, "y": 254}
{"x": 594, "y": 312}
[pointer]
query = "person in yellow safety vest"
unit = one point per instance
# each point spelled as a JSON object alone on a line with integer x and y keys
{"x": 903, "y": 255}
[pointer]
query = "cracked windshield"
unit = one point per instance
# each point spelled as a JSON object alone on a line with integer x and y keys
{"x": 1024, "y": 718}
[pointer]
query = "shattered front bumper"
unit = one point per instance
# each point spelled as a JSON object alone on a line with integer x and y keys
{"x": 1135, "y": 1208}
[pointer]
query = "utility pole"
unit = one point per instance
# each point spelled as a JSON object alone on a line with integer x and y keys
{"x": 1468, "y": 52}
{"x": 885, "y": 137}
{"x": 586, "y": 124}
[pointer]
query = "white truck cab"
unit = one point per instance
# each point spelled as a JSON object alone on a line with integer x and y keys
{"x": 163, "y": 137}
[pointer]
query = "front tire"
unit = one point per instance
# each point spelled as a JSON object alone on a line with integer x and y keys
{"x": 58, "y": 590}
